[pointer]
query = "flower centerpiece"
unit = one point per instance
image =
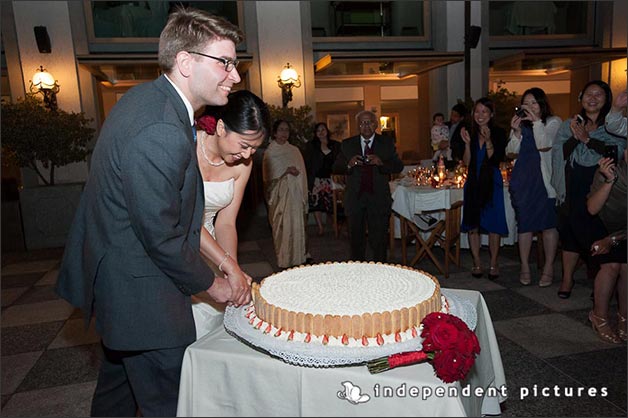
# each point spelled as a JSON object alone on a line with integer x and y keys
{"x": 447, "y": 342}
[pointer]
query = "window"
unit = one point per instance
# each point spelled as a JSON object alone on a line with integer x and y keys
{"x": 525, "y": 18}
{"x": 367, "y": 18}
{"x": 146, "y": 19}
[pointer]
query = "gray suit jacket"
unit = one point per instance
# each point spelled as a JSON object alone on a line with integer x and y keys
{"x": 132, "y": 257}
{"x": 385, "y": 149}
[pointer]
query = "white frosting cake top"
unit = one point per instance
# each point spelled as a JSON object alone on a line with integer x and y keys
{"x": 347, "y": 288}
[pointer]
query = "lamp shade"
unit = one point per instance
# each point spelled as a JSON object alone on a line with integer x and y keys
{"x": 289, "y": 75}
{"x": 44, "y": 80}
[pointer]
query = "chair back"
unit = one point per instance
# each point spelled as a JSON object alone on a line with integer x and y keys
{"x": 453, "y": 219}
{"x": 451, "y": 235}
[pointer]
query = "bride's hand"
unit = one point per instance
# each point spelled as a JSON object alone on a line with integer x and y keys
{"x": 240, "y": 283}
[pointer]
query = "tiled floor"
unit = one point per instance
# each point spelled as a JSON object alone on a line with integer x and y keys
{"x": 49, "y": 363}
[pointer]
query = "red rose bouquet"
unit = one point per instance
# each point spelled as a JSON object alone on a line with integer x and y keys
{"x": 447, "y": 342}
{"x": 207, "y": 123}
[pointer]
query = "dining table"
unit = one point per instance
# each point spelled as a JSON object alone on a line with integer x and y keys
{"x": 224, "y": 375}
{"x": 411, "y": 200}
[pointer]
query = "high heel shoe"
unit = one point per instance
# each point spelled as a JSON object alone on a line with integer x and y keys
{"x": 603, "y": 329}
{"x": 525, "y": 278}
{"x": 493, "y": 273}
{"x": 546, "y": 280}
{"x": 566, "y": 294}
{"x": 621, "y": 327}
{"x": 476, "y": 271}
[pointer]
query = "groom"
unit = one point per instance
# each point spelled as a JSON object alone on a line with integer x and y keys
{"x": 132, "y": 259}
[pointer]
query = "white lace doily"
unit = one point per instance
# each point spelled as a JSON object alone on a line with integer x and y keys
{"x": 318, "y": 355}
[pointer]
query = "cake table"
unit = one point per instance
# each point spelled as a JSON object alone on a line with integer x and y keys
{"x": 222, "y": 376}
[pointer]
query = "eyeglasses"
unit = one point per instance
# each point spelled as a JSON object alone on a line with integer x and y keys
{"x": 366, "y": 123}
{"x": 229, "y": 64}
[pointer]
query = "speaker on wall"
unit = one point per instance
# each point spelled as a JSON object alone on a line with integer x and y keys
{"x": 43, "y": 40}
{"x": 474, "y": 36}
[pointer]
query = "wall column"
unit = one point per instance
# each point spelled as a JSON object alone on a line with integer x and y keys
{"x": 61, "y": 63}
{"x": 279, "y": 44}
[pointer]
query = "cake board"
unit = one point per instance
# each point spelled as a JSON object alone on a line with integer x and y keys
{"x": 318, "y": 355}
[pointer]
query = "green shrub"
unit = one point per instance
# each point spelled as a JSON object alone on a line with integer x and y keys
{"x": 32, "y": 133}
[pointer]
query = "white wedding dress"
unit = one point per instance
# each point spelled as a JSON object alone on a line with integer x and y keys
{"x": 208, "y": 314}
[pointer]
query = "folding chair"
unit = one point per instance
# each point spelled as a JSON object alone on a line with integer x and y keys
{"x": 451, "y": 235}
{"x": 445, "y": 233}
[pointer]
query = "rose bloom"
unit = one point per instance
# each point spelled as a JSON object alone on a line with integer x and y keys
{"x": 443, "y": 335}
{"x": 450, "y": 366}
{"x": 207, "y": 123}
{"x": 468, "y": 343}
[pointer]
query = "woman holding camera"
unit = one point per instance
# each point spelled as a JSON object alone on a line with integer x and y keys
{"x": 533, "y": 197}
{"x": 608, "y": 199}
{"x": 578, "y": 148}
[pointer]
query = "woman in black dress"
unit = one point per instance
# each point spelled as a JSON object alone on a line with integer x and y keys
{"x": 320, "y": 155}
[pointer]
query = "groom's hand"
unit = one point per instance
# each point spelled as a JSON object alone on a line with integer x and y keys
{"x": 220, "y": 290}
{"x": 239, "y": 281}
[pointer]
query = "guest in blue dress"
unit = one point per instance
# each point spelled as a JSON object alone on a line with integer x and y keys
{"x": 484, "y": 212}
{"x": 533, "y": 197}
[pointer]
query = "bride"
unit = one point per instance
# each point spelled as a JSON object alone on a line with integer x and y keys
{"x": 227, "y": 136}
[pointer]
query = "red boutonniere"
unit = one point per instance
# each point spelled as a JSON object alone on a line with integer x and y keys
{"x": 447, "y": 342}
{"x": 207, "y": 123}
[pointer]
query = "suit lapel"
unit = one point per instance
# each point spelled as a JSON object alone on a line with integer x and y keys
{"x": 182, "y": 113}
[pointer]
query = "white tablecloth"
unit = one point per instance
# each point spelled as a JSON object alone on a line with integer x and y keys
{"x": 222, "y": 376}
{"x": 411, "y": 199}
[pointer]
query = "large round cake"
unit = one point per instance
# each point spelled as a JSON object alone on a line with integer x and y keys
{"x": 342, "y": 300}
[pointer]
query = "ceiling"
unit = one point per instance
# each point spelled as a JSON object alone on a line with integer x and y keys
{"x": 363, "y": 66}
{"x": 556, "y": 59}
{"x": 128, "y": 70}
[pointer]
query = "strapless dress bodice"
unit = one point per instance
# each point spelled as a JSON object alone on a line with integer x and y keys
{"x": 218, "y": 194}
{"x": 208, "y": 314}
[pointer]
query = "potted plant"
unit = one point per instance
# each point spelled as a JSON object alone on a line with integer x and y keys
{"x": 43, "y": 140}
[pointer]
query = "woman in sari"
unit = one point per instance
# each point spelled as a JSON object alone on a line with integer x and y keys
{"x": 285, "y": 185}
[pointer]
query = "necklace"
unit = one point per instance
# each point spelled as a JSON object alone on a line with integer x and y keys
{"x": 206, "y": 158}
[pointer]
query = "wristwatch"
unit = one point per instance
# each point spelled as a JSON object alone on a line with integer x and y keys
{"x": 614, "y": 242}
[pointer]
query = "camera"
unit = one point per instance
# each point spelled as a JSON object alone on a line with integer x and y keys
{"x": 610, "y": 151}
{"x": 364, "y": 159}
{"x": 520, "y": 112}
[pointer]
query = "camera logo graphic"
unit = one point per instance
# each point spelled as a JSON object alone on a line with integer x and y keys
{"x": 352, "y": 394}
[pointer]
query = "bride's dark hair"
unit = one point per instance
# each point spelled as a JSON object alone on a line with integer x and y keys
{"x": 244, "y": 112}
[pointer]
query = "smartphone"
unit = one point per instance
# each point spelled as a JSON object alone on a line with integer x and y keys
{"x": 580, "y": 119}
{"x": 610, "y": 151}
{"x": 520, "y": 112}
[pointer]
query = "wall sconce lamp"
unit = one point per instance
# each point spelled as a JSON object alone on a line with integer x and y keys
{"x": 288, "y": 79}
{"x": 383, "y": 121}
{"x": 43, "y": 82}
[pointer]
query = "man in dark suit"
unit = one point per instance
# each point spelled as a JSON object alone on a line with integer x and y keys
{"x": 132, "y": 258}
{"x": 368, "y": 160}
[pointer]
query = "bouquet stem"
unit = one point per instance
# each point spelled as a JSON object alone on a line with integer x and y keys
{"x": 402, "y": 359}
